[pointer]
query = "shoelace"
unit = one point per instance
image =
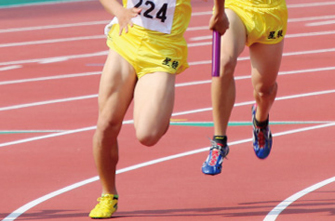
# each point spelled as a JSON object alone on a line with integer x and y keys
{"x": 261, "y": 136}
{"x": 216, "y": 150}
{"x": 214, "y": 157}
{"x": 104, "y": 203}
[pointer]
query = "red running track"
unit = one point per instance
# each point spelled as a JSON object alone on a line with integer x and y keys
{"x": 50, "y": 60}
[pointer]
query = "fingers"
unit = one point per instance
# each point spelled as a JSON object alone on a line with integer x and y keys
{"x": 219, "y": 23}
{"x": 126, "y": 23}
{"x": 136, "y": 11}
{"x": 223, "y": 29}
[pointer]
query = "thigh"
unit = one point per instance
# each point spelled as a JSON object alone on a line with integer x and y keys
{"x": 265, "y": 61}
{"x": 116, "y": 88}
{"x": 233, "y": 41}
{"x": 153, "y": 102}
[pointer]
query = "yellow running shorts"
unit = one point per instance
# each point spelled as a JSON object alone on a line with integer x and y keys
{"x": 149, "y": 51}
{"x": 265, "y": 20}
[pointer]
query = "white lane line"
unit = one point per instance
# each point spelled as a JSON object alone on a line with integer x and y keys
{"x": 45, "y": 60}
{"x": 329, "y": 22}
{"x": 42, "y": 3}
{"x": 80, "y": 38}
{"x": 290, "y": 20}
{"x": 175, "y": 123}
{"x": 104, "y": 22}
{"x": 313, "y": 4}
{"x": 200, "y": 38}
{"x": 302, "y": 19}
{"x": 252, "y": 102}
{"x": 49, "y": 41}
{"x": 10, "y": 67}
{"x": 104, "y": 53}
{"x": 238, "y": 123}
{"x": 18, "y": 212}
{"x": 55, "y": 135}
{"x": 48, "y": 102}
{"x": 297, "y": 35}
{"x": 173, "y": 115}
{"x": 56, "y": 77}
{"x": 313, "y": 70}
{"x": 47, "y": 136}
{"x": 305, "y": 95}
{"x": 69, "y": 25}
{"x": 274, "y": 213}
{"x": 29, "y": 131}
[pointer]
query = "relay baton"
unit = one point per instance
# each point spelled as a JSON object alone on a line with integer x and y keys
{"x": 216, "y": 45}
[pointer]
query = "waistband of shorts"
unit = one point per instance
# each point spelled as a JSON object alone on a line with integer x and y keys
{"x": 142, "y": 33}
{"x": 259, "y": 4}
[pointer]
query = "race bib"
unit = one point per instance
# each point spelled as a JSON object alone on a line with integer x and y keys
{"x": 156, "y": 15}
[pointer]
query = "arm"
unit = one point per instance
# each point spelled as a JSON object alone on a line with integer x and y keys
{"x": 219, "y": 21}
{"x": 123, "y": 15}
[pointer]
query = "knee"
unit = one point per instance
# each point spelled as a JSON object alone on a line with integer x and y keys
{"x": 228, "y": 65}
{"x": 149, "y": 137}
{"x": 106, "y": 131}
{"x": 105, "y": 141}
{"x": 263, "y": 90}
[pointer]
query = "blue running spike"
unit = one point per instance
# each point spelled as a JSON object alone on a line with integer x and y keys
{"x": 213, "y": 163}
{"x": 262, "y": 138}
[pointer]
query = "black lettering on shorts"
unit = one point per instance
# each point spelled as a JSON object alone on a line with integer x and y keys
{"x": 275, "y": 34}
{"x": 168, "y": 62}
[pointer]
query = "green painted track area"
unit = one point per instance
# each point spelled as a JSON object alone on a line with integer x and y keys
{"x": 211, "y": 124}
{"x": 9, "y": 3}
{"x": 183, "y": 123}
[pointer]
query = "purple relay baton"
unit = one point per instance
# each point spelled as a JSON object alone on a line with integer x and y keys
{"x": 216, "y": 45}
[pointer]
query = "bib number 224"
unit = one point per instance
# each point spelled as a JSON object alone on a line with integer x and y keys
{"x": 148, "y": 13}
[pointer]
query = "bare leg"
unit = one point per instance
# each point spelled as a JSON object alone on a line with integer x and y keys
{"x": 153, "y": 100}
{"x": 223, "y": 87}
{"x": 115, "y": 94}
{"x": 223, "y": 92}
{"x": 265, "y": 61}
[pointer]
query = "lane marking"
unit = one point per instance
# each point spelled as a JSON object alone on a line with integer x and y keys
{"x": 173, "y": 115}
{"x": 274, "y": 213}
{"x": 50, "y": 2}
{"x": 56, "y": 77}
{"x": 302, "y": 19}
{"x": 104, "y": 53}
{"x": 297, "y": 35}
{"x": 29, "y": 131}
{"x": 47, "y": 136}
{"x": 68, "y": 25}
{"x": 313, "y": 4}
{"x": 48, "y": 102}
{"x": 45, "y": 60}
{"x": 311, "y": 70}
{"x": 204, "y": 109}
{"x": 19, "y": 106}
{"x": 104, "y": 22}
{"x": 49, "y": 41}
{"x": 200, "y": 38}
{"x": 18, "y": 212}
{"x": 329, "y": 22}
{"x": 179, "y": 122}
{"x": 239, "y": 123}
{"x": 10, "y": 67}
{"x": 53, "y": 60}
